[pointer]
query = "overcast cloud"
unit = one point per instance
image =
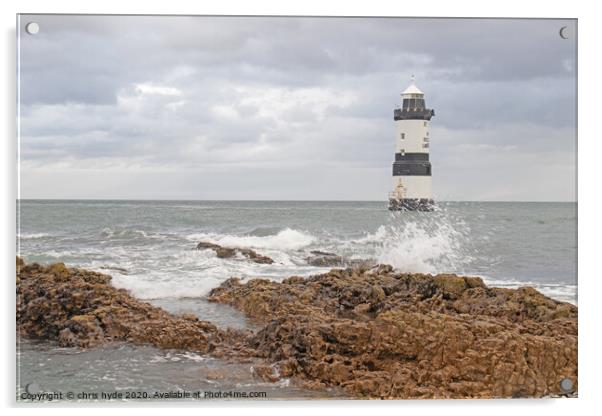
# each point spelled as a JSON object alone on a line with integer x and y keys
{"x": 292, "y": 108}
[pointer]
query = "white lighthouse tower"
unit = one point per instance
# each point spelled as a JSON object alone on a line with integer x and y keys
{"x": 412, "y": 187}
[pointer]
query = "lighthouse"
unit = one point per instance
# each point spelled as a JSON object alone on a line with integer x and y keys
{"x": 412, "y": 186}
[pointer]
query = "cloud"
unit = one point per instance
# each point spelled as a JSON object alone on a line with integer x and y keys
{"x": 303, "y": 102}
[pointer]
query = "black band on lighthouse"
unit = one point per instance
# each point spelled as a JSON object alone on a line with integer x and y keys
{"x": 412, "y": 157}
{"x": 403, "y": 168}
{"x": 413, "y": 114}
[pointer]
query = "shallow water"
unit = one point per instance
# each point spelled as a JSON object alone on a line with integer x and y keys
{"x": 223, "y": 316}
{"x": 143, "y": 372}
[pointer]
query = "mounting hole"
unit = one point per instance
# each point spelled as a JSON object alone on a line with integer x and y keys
{"x": 566, "y": 384}
{"x": 32, "y": 28}
{"x": 32, "y": 388}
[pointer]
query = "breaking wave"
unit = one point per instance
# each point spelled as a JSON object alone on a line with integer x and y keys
{"x": 123, "y": 233}
{"x": 30, "y": 236}
{"x": 286, "y": 239}
{"x": 415, "y": 248}
{"x": 151, "y": 287}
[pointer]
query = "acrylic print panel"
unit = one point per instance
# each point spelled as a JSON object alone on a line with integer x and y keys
{"x": 260, "y": 208}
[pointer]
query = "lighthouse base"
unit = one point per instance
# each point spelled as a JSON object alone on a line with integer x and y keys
{"x": 411, "y": 204}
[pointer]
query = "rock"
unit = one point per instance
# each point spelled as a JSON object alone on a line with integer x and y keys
{"x": 266, "y": 372}
{"x": 372, "y": 331}
{"x": 59, "y": 270}
{"x": 323, "y": 259}
{"x": 80, "y": 308}
{"x": 115, "y": 268}
{"x": 225, "y": 252}
{"x": 381, "y": 334}
{"x": 204, "y": 245}
{"x": 320, "y": 258}
{"x": 453, "y": 286}
{"x": 253, "y": 256}
{"x": 228, "y": 252}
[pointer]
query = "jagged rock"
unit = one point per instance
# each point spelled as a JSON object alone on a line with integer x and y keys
{"x": 80, "y": 308}
{"x": 323, "y": 259}
{"x": 370, "y": 330}
{"x": 382, "y": 334}
{"x": 320, "y": 258}
{"x": 205, "y": 244}
{"x": 266, "y": 372}
{"x": 227, "y": 252}
{"x": 254, "y": 256}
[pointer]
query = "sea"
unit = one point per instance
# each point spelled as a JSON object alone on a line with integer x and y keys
{"x": 149, "y": 248}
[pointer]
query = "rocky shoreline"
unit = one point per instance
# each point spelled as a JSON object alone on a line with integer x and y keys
{"x": 80, "y": 308}
{"x": 372, "y": 331}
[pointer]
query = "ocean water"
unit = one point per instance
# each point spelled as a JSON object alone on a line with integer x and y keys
{"x": 149, "y": 249}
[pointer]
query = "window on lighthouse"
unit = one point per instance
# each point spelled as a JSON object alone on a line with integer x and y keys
{"x": 403, "y": 136}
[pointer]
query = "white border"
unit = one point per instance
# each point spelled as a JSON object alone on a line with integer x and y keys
{"x": 589, "y": 188}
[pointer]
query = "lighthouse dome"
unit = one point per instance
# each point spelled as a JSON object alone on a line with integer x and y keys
{"x": 412, "y": 89}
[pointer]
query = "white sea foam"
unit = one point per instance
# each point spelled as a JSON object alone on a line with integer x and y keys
{"x": 194, "y": 357}
{"x": 152, "y": 286}
{"x": 287, "y": 239}
{"x": 78, "y": 252}
{"x": 123, "y": 232}
{"x": 559, "y": 291}
{"x": 28, "y": 236}
{"x": 178, "y": 356}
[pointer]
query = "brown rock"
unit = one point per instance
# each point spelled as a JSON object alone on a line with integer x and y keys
{"x": 228, "y": 252}
{"x": 381, "y": 334}
{"x": 225, "y": 252}
{"x": 369, "y": 330}
{"x": 80, "y": 308}
{"x": 320, "y": 258}
{"x": 324, "y": 259}
{"x": 254, "y": 256}
{"x": 266, "y": 372}
{"x": 206, "y": 245}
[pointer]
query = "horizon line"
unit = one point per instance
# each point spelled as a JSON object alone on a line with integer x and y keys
{"x": 277, "y": 200}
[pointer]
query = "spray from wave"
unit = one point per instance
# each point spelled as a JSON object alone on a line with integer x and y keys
{"x": 411, "y": 248}
{"x": 433, "y": 244}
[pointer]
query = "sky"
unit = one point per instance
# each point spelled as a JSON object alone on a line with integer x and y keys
{"x": 276, "y": 108}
